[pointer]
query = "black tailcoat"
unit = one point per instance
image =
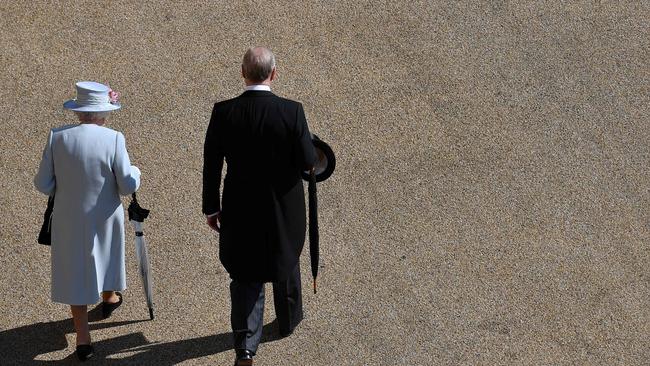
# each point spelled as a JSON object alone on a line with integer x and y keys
{"x": 266, "y": 144}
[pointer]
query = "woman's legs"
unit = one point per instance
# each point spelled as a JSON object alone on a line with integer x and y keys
{"x": 80, "y": 319}
{"x": 110, "y": 297}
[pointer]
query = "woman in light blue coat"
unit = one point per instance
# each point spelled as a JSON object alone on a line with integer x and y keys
{"x": 86, "y": 167}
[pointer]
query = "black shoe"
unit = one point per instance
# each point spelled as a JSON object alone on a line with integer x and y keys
{"x": 108, "y": 308}
{"x": 84, "y": 352}
{"x": 244, "y": 357}
{"x": 285, "y": 333}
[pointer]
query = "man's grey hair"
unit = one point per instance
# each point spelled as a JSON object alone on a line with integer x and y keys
{"x": 258, "y": 63}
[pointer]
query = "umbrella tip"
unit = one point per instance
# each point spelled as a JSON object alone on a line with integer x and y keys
{"x": 314, "y": 285}
{"x": 151, "y": 313}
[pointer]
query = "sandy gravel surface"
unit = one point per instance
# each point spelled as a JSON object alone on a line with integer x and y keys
{"x": 490, "y": 204}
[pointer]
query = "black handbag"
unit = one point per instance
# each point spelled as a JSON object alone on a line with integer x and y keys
{"x": 45, "y": 235}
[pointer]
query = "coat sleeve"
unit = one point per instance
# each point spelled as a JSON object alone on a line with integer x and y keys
{"x": 45, "y": 180}
{"x": 127, "y": 176}
{"x": 306, "y": 152}
{"x": 213, "y": 156}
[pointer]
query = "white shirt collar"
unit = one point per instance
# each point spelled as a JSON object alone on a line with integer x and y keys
{"x": 258, "y": 87}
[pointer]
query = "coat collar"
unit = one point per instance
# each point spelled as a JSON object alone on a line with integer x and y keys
{"x": 257, "y": 93}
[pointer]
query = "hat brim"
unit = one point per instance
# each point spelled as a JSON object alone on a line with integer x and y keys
{"x": 104, "y": 107}
{"x": 326, "y": 160}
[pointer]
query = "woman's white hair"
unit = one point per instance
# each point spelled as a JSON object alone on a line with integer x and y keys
{"x": 92, "y": 116}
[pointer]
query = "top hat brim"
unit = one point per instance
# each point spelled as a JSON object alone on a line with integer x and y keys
{"x": 325, "y": 155}
{"x": 104, "y": 107}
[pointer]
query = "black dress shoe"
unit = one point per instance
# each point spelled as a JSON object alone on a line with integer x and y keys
{"x": 84, "y": 352}
{"x": 108, "y": 308}
{"x": 285, "y": 333}
{"x": 244, "y": 357}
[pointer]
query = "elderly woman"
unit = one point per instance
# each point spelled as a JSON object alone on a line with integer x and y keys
{"x": 86, "y": 168}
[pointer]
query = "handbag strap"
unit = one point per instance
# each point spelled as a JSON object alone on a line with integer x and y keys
{"x": 50, "y": 204}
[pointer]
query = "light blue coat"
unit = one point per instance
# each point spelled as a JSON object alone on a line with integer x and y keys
{"x": 88, "y": 167}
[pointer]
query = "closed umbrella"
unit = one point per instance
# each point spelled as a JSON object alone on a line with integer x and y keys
{"x": 137, "y": 215}
{"x": 323, "y": 169}
{"x": 313, "y": 227}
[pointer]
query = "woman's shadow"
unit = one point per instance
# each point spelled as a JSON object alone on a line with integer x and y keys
{"x": 24, "y": 344}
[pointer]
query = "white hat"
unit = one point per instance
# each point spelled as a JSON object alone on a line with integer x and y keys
{"x": 91, "y": 97}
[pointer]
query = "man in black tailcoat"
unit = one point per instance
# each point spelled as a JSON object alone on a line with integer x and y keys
{"x": 261, "y": 220}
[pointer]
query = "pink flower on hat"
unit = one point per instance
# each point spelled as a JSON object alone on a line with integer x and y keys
{"x": 113, "y": 96}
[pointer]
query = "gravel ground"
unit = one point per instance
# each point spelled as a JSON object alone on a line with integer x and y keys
{"x": 490, "y": 204}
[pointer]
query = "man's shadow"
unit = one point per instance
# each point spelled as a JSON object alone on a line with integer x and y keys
{"x": 24, "y": 344}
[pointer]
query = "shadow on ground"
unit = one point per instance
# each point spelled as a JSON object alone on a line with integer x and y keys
{"x": 25, "y": 344}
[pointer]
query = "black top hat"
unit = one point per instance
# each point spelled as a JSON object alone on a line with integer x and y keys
{"x": 325, "y": 161}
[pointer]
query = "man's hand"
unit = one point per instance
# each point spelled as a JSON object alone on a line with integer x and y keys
{"x": 214, "y": 221}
